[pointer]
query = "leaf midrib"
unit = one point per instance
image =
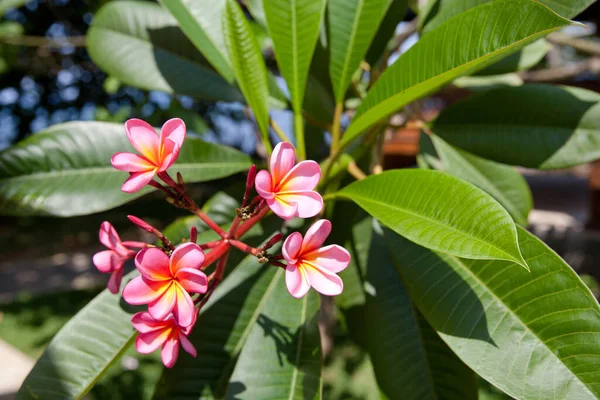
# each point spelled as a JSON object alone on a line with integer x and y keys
{"x": 349, "y": 48}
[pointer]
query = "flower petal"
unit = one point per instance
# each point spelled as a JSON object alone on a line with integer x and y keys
{"x": 108, "y": 235}
{"x": 140, "y": 291}
{"x": 187, "y": 255}
{"x": 282, "y": 161}
{"x": 184, "y": 307}
{"x": 170, "y": 351}
{"x": 282, "y": 208}
{"x": 153, "y": 264}
{"x": 192, "y": 280}
{"x": 137, "y": 181}
{"x": 296, "y": 281}
{"x": 316, "y": 235}
{"x": 144, "y": 323}
{"x": 309, "y": 203}
{"x": 304, "y": 176}
{"x": 323, "y": 281}
{"x": 164, "y": 305}
{"x": 263, "y": 185}
{"x": 187, "y": 345}
{"x": 169, "y": 155}
{"x": 130, "y": 162}
{"x": 148, "y": 342}
{"x": 333, "y": 258}
{"x": 291, "y": 247}
{"x": 114, "y": 282}
{"x": 144, "y": 138}
{"x": 106, "y": 261}
{"x": 173, "y": 129}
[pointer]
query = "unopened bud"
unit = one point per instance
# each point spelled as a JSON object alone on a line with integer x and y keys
{"x": 193, "y": 234}
{"x": 141, "y": 223}
{"x": 273, "y": 241}
{"x": 179, "y": 179}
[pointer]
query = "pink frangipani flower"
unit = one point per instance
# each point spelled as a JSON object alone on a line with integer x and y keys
{"x": 289, "y": 189}
{"x": 157, "y": 152}
{"x": 164, "y": 333}
{"x": 309, "y": 264}
{"x": 111, "y": 261}
{"x": 165, "y": 283}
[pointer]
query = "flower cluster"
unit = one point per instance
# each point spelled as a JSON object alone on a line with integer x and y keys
{"x": 172, "y": 281}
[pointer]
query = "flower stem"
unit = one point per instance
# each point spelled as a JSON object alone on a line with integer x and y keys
{"x": 215, "y": 278}
{"x": 245, "y": 227}
{"x": 244, "y": 247}
{"x": 216, "y": 253}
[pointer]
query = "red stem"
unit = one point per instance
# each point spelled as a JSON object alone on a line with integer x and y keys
{"x": 244, "y": 247}
{"x": 215, "y": 278}
{"x": 215, "y": 254}
{"x": 211, "y": 245}
{"x": 245, "y": 227}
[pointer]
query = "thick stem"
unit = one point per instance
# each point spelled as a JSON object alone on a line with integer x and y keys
{"x": 245, "y": 227}
{"x": 299, "y": 132}
{"x": 244, "y": 247}
{"x": 335, "y": 129}
{"x": 215, "y": 278}
{"x": 215, "y": 254}
{"x": 211, "y": 245}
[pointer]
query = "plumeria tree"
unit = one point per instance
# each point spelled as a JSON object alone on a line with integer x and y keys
{"x": 430, "y": 270}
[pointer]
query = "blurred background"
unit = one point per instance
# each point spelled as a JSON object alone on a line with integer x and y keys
{"x": 46, "y": 275}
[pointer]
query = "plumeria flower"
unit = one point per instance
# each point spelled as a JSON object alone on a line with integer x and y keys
{"x": 157, "y": 152}
{"x": 289, "y": 187}
{"x": 312, "y": 265}
{"x": 111, "y": 261}
{"x": 164, "y": 333}
{"x": 165, "y": 282}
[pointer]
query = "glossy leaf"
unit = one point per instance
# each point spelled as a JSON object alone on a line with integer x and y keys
{"x": 248, "y": 64}
{"x": 140, "y": 44}
{"x": 536, "y": 126}
{"x": 74, "y": 175}
{"x": 534, "y": 335}
{"x": 201, "y": 21}
{"x": 438, "y": 211}
{"x": 442, "y": 55}
{"x": 352, "y": 26}
{"x": 394, "y": 15}
{"x": 502, "y": 182}
{"x": 294, "y": 28}
{"x": 528, "y": 57}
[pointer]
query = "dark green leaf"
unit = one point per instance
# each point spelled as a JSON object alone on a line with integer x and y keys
{"x": 386, "y": 30}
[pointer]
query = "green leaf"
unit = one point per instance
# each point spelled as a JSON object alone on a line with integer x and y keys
{"x": 65, "y": 170}
{"x": 394, "y": 15}
{"x": 201, "y": 22}
{"x": 6, "y": 5}
{"x": 534, "y": 335}
{"x": 490, "y": 32}
{"x": 528, "y": 57}
{"x": 502, "y": 182}
{"x": 352, "y": 26}
{"x": 294, "y": 29}
{"x": 536, "y": 126}
{"x": 392, "y": 330}
{"x": 248, "y": 65}
{"x": 140, "y": 44}
{"x": 440, "y": 212}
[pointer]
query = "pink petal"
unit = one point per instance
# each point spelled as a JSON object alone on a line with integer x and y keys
{"x": 153, "y": 264}
{"x": 114, "y": 283}
{"x": 304, "y": 176}
{"x": 137, "y": 181}
{"x": 108, "y": 235}
{"x": 192, "y": 280}
{"x": 173, "y": 129}
{"x": 333, "y": 258}
{"x": 263, "y": 185}
{"x": 323, "y": 281}
{"x": 187, "y": 345}
{"x": 282, "y": 208}
{"x": 144, "y": 323}
{"x": 148, "y": 342}
{"x": 144, "y": 138}
{"x": 130, "y": 162}
{"x": 184, "y": 308}
{"x": 309, "y": 203}
{"x": 291, "y": 247}
{"x": 316, "y": 235}
{"x": 163, "y": 305}
{"x": 282, "y": 161}
{"x": 169, "y": 154}
{"x": 296, "y": 281}
{"x": 187, "y": 255}
{"x": 106, "y": 261}
{"x": 169, "y": 352}
{"x": 140, "y": 291}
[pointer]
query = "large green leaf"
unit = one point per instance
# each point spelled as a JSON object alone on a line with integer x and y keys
{"x": 528, "y": 57}
{"x": 294, "y": 28}
{"x": 140, "y": 44}
{"x": 394, "y": 15}
{"x": 201, "y": 20}
{"x": 391, "y": 329}
{"x": 352, "y": 26}
{"x": 534, "y": 335}
{"x": 440, "y": 212}
{"x": 536, "y": 126}
{"x": 502, "y": 182}
{"x": 463, "y": 44}
{"x": 248, "y": 65}
{"x": 65, "y": 170}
